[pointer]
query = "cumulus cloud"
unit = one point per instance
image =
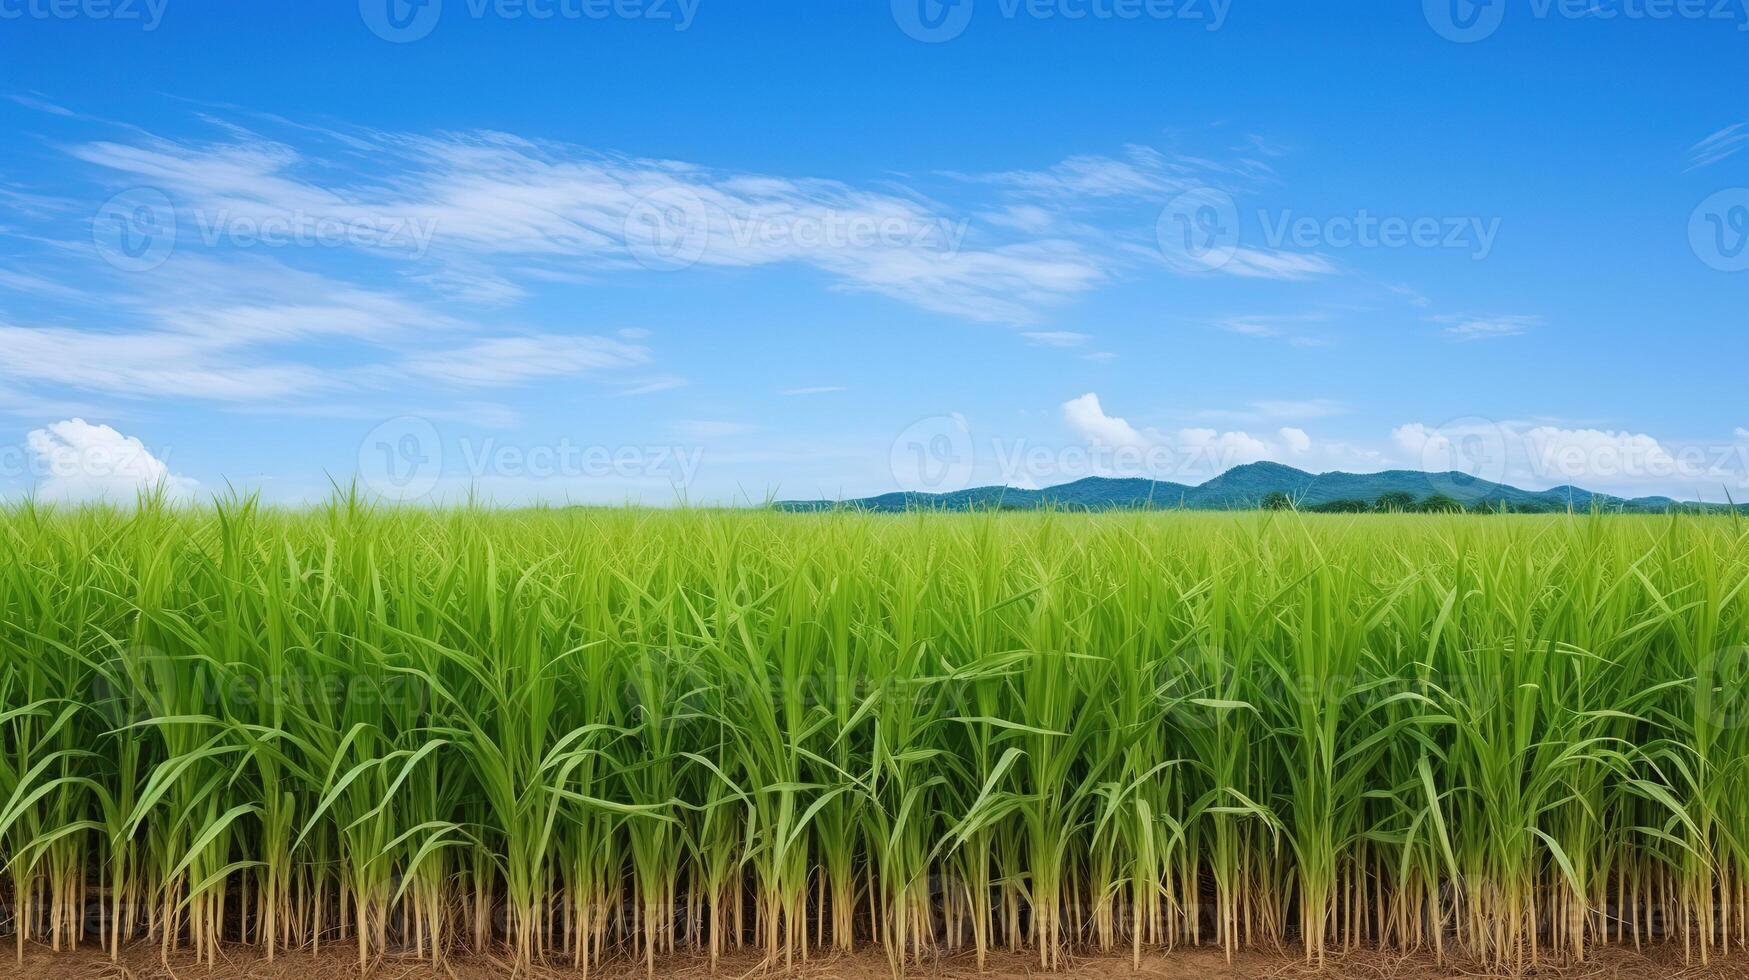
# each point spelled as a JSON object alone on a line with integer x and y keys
{"x": 77, "y": 461}
{"x": 1087, "y": 417}
{"x": 1540, "y": 456}
{"x": 1225, "y": 449}
{"x": 1572, "y": 455}
{"x": 1193, "y": 454}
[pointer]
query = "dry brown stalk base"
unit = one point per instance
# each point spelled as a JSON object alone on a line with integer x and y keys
{"x": 142, "y": 963}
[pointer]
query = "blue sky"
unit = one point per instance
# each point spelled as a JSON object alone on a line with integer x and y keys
{"x": 657, "y": 250}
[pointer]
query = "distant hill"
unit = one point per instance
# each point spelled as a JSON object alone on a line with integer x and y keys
{"x": 1245, "y": 487}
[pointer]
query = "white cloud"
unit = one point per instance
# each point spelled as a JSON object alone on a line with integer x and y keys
{"x": 1253, "y": 263}
{"x": 501, "y": 361}
{"x": 1278, "y": 409}
{"x": 78, "y": 461}
{"x": 1283, "y": 327}
{"x": 1468, "y": 327}
{"x": 1225, "y": 450}
{"x": 1610, "y": 458}
{"x": 1087, "y": 417}
{"x": 815, "y": 390}
{"x": 1538, "y": 457}
{"x": 213, "y": 330}
{"x": 1191, "y": 454}
{"x": 26, "y": 404}
{"x": 149, "y": 364}
{"x": 552, "y": 209}
{"x": 1719, "y": 146}
{"x": 1056, "y": 338}
{"x": 1297, "y": 440}
{"x": 1022, "y": 217}
{"x": 1142, "y": 171}
{"x": 651, "y": 385}
{"x": 42, "y": 105}
{"x": 1413, "y": 439}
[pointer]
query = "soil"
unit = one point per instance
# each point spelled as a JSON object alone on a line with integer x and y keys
{"x": 1183, "y": 964}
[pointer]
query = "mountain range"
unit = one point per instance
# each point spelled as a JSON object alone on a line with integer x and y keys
{"x": 1245, "y": 487}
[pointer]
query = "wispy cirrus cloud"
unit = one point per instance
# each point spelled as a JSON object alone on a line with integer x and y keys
{"x": 1055, "y": 338}
{"x": 1083, "y": 178}
{"x": 1288, "y": 328}
{"x": 506, "y": 361}
{"x": 254, "y": 331}
{"x": 495, "y": 211}
{"x": 1487, "y": 326}
{"x": 1283, "y": 410}
{"x": 1257, "y": 263}
{"x": 1721, "y": 145}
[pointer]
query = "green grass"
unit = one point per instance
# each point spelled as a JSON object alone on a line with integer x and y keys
{"x": 571, "y": 735}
